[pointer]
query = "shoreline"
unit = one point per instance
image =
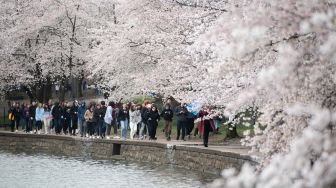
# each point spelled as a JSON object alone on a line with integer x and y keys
{"x": 186, "y": 155}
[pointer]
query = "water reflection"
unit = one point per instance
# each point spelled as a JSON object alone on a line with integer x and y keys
{"x": 26, "y": 170}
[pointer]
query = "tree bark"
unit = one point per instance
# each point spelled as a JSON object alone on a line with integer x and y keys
{"x": 232, "y": 131}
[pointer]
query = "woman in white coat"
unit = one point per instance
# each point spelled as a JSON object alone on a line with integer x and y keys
{"x": 135, "y": 118}
{"x": 108, "y": 120}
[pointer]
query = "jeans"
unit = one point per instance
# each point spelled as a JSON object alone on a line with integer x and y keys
{"x": 31, "y": 125}
{"x": 39, "y": 124}
{"x": 99, "y": 127}
{"x": 143, "y": 129}
{"x": 123, "y": 126}
{"x": 26, "y": 124}
{"x": 58, "y": 125}
{"x": 115, "y": 127}
{"x": 103, "y": 130}
{"x": 181, "y": 125}
{"x": 17, "y": 123}
{"x": 82, "y": 127}
{"x": 127, "y": 123}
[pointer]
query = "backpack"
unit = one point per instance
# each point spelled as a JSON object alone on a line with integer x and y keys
{"x": 11, "y": 116}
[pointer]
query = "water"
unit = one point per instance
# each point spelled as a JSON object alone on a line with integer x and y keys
{"x": 23, "y": 170}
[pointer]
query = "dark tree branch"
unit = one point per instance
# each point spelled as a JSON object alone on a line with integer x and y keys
{"x": 183, "y": 4}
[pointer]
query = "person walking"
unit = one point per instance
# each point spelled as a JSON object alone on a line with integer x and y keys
{"x": 25, "y": 116}
{"x": 135, "y": 118}
{"x": 47, "y": 118}
{"x": 144, "y": 119}
{"x": 88, "y": 116}
{"x": 96, "y": 119}
{"x": 38, "y": 118}
{"x": 11, "y": 116}
{"x": 66, "y": 118}
{"x": 167, "y": 114}
{"x": 208, "y": 124}
{"x": 74, "y": 117}
{"x": 18, "y": 115}
{"x": 114, "y": 123}
{"x": 123, "y": 118}
{"x": 81, "y": 120}
{"x": 108, "y": 120}
{"x": 32, "y": 111}
{"x": 190, "y": 124}
{"x": 101, "y": 123}
{"x": 153, "y": 120}
{"x": 57, "y": 118}
{"x": 181, "y": 113}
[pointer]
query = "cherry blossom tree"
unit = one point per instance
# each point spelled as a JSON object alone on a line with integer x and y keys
{"x": 146, "y": 49}
{"x": 48, "y": 39}
{"x": 284, "y": 50}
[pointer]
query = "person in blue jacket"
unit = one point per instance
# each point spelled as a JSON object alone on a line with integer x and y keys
{"x": 81, "y": 119}
{"x": 39, "y": 118}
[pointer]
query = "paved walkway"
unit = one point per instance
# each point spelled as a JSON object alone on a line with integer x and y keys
{"x": 232, "y": 147}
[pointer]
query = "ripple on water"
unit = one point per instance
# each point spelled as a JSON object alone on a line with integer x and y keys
{"x": 22, "y": 170}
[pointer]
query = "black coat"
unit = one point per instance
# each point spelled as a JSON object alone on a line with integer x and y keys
{"x": 102, "y": 112}
{"x": 66, "y": 113}
{"x": 32, "y": 111}
{"x": 56, "y": 112}
{"x": 144, "y": 115}
{"x": 122, "y": 115}
{"x": 167, "y": 114}
{"x": 74, "y": 112}
{"x": 181, "y": 113}
{"x": 18, "y": 113}
{"x": 99, "y": 114}
{"x": 153, "y": 117}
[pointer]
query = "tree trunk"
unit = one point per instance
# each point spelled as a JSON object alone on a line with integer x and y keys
{"x": 29, "y": 93}
{"x": 47, "y": 91}
{"x": 232, "y": 131}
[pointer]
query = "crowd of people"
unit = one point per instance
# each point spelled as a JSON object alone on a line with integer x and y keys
{"x": 98, "y": 120}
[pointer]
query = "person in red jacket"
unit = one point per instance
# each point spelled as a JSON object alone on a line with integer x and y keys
{"x": 206, "y": 123}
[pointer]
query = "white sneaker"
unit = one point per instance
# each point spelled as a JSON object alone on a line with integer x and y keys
{"x": 16, "y": 130}
{"x": 108, "y": 138}
{"x": 87, "y": 135}
{"x": 117, "y": 137}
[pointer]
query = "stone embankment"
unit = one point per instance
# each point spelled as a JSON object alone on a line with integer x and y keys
{"x": 210, "y": 160}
